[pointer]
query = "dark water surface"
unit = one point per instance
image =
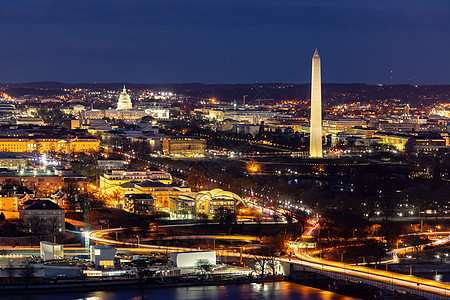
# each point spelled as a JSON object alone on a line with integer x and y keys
{"x": 255, "y": 291}
{"x": 443, "y": 277}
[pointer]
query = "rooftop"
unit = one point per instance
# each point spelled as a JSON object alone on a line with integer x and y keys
{"x": 151, "y": 183}
{"x": 42, "y": 204}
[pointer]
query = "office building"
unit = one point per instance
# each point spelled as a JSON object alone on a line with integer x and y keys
{"x": 184, "y": 146}
{"x": 114, "y": 178}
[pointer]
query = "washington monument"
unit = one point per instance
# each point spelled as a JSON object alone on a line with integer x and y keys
{"x": 315, "y": 124}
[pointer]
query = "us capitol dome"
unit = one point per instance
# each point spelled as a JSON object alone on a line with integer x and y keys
{"x": 124, "y": 101}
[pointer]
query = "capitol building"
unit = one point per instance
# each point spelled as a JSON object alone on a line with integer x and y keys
{"x": 125, "y": 111}
{"x": 124, "y": 101}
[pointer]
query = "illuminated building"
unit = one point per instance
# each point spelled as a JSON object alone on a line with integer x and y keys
{"x": 242, "y": 115}
{"x": 113, "y": 178}
{"x": 128, "y": 115}
{"x": 287, "y": 124}
{"x": 9, "y": 204}
{"x": 158, "y": 113}
{"x": 399, "y": 127}
{"x": 158, "y": 190}
{"x": 102, "y": 256}
{"x": 425, "y": 143}
{"x": 141, "y": 204}
{"x": 333, "y": 126}
{"x": 7, "y": 107}
{"x": 8, "y": 110}
{"x": 13, "y": 198}
{"x": 446, "y": 137}
{"x": 12, "y": 195}
{"x": 29, "y": 121}
{"x": 43, "y": 139}
{"x": 303, "y": 128}
{"x": 12, "y": 162}
{"x": 93, "y": 126}
{"x": 51, "y": 251}
{"x": 125, "y": 111}
{"x": 397, "y": 140}
{"x": 184, "y": 146}
{"x": 45, "y": 145}
{"x": 210, "y": 202}
{"x": 246, "y": 129}
{"x": 44, "y": 181}
{"x": 111, "y": 164}
{"x": 367, "y": 132}
{"x": 50, "y": 216}
{"x": 191, "y": 259}
{"x": 182, "y": 208}
{"x": 315, "y": 139}
{"x": 124, "y": 102}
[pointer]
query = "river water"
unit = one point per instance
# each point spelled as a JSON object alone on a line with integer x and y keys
{"x": 255, "y": 291}
{"x": 444, "y": 277}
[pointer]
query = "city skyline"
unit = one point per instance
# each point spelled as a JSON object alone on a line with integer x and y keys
{"x": 233, "y": 42}
{"x": 172, "y": 149}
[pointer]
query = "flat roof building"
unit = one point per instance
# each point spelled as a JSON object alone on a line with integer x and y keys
{"x": 333, "y": 126}
{"x": 184, "y": 146}
{"x": 192, "y": 259}
{"x": 397, "y": 140}
{"x": 113, "y": 178}
{"x": 102, "y": 256}
{"x": 45, "y": 139}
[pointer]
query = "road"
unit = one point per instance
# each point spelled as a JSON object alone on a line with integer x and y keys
{"x": 412, "y": 282}
{"x": 389, "y": 278}
{"x": 304, "y": 259}
{"x": 440, "y": 241}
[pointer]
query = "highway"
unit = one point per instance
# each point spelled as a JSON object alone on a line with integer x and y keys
{"x": 389, "y": 278}
{"x": 369, "y": 274}
{"x": 395, "y": 280}
{"x": 436, "y": 242}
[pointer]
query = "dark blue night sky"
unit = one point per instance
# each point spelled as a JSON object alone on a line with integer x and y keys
{"x": 224, "y": 41}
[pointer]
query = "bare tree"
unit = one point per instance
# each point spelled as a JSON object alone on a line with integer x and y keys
{"x": 53, "y": 225}
{"x": 27, "y": 272}
{"x": 10, "y": 270}
{"x": 144, "y": 226}
{"x": 273, "y": 265}
{"x": 36, "y": 224}
{"x": 71, "y": 189}
{"x": 204, "y": 265}
{"x": 261, "y": 263}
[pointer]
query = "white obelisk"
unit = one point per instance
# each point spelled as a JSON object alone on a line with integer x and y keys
{"x": 315, "y": 124}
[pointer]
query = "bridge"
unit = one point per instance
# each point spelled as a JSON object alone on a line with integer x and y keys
{"x": 427, "y": 288}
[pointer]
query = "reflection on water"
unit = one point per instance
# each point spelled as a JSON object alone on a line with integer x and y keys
{"x": 445, "y": 277}
{"x": 254, "y": 291}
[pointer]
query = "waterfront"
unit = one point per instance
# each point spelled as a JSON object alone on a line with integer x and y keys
{"x": 275, "y": 290}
